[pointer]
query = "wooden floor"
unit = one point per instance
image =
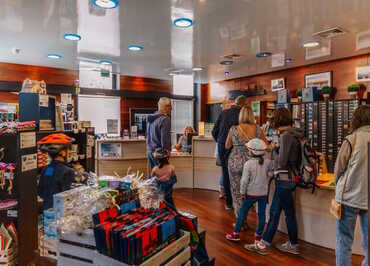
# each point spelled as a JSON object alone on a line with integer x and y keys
{"x": 216, "y": 221}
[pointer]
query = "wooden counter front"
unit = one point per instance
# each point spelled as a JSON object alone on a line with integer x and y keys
{"x": 184, "y": 170}
{"x": 133, "y": 154}
{"x": 206, "y": 173}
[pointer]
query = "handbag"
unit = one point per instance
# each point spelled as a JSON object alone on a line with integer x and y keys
{"x": 336, "y": 207}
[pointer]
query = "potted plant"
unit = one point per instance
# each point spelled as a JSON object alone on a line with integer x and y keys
{"x": 326, "y": 92}
{"x": 299, "y": 94}
{"x": 353, "y": 89}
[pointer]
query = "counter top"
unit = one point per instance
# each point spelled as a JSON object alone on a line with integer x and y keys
{"x": 203, "y": 138}
{"x": 181, "y": 154}
{"x": 121, "y": 140}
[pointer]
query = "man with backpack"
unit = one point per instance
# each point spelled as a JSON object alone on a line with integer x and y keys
{"x": 287, "y": 164}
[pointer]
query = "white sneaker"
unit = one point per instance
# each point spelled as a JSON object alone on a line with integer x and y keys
{"x": 257, "y": 247}
{"x": 288, "y": 248}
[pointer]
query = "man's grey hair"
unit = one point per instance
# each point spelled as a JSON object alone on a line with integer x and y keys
{"x": 163, "y": 103}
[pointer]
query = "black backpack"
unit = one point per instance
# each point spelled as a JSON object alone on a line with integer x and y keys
{"x": 307, "y": 166}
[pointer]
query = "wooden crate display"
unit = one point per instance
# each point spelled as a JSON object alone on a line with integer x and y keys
{"x": 175, "y": 254}
{"x": 76, "y": 249}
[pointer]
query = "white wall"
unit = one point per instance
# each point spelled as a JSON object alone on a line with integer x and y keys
{"x": 98, "y": 109}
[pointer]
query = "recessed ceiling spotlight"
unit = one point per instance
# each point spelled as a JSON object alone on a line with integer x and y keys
{"x": 54, "y": 56}
{"x": 310, "y": 44}
{"x": 135, "y": 48}
{"x": 227, "y": 73}
{"x": 197, "y": 68}
{"x": 288, "y": 60}
{"x": 183, "y": 23}
{"x": 226, "y": 62}
{"x": 108, "y": 4}
{"x": 105, "y": 62}
{"x": 263, "y": 54}
{"x": 72, "y": 37}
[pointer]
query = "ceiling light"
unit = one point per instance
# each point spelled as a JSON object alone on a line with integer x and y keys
{"x": 263, "y": 54}
{"x": 135, "y": 48}
{"x": 108, "y": 4}
{"x": 288, "y": 60}
{"x": 105, "y": 62}
{"x": 54, "y": 56}
{"x": 197, "y": 68}
{"x": 226, "y": 62}
{"x": 72, "y": 37}
{"x": 310, "y": 44}
{"x": 183, "y": 23}
{"x": 227, "y": 73}
{"x": 173, "y": 73}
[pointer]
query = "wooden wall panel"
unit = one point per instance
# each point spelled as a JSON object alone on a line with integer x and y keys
{"x": 343, "y": 75}
{"x": 17, "y": 72}
{"x": 141, "y": 84}
{"x": 8, "y": 97}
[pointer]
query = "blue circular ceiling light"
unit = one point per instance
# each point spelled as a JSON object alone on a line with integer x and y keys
{"x": 105, "y": 62}
{"x": 288, "y": 60}
{"x": 72, "y": 37}
{"x": 54, "y": 56}
{"x": 227, "y": 73}
{"x": 263, "y": 54}
{"x": 183, "y": 23}
{"x": 226, "y": 62}
{"x": 107, "y": 4}
{"x": 135, "y": 48}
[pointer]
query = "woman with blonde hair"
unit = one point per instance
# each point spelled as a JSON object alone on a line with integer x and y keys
{"x": 237, "y": 138}
{"x": 182, "y": 144}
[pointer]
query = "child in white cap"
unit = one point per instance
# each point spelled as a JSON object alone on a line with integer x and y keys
{"x": 254, "y": 186}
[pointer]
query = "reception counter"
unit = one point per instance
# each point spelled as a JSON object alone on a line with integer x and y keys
{"x": 206, "y": 173}
{"x": 117, "y": 158}
{"x": 197, "y": 170}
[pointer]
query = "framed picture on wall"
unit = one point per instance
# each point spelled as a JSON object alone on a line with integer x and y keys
{"x": 319, "y": 80}
{"x": 138, "y": 118}
{"x": 278, "y": 84}
{"x": 363, "y": 74}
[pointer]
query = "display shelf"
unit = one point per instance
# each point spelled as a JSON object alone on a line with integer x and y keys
{"x": 24, "y": 215}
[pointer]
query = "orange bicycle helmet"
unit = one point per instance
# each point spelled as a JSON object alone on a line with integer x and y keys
{"x": 57, "y": 138}
{"x": 54, "y": 143}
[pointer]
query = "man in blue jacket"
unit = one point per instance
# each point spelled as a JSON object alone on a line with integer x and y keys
{"x": 158, "y": 132}
{"x": 227, "y": 119}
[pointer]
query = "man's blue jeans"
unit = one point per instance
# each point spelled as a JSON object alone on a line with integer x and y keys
{"x": 224, "y": 156}
{"x": 247, "y": 204}
{"x": 283, "y": 200}
{"x": 153, "y": 162}
{"x": 345, "y": 234}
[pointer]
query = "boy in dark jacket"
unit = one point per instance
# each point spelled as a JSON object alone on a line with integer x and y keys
{"x": 57, "y": 176}
{"x": 286, "y": 163}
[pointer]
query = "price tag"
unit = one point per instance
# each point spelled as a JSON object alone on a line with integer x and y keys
{"x": 13, "y": 213}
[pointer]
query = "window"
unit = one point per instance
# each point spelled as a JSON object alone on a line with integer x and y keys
{"x": 182, "y": 116}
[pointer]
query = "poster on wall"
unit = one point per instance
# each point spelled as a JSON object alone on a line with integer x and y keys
{"x": 319, "y": 80}
{"x": 363, "y": 74}
{"x": 278, "y": 84}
